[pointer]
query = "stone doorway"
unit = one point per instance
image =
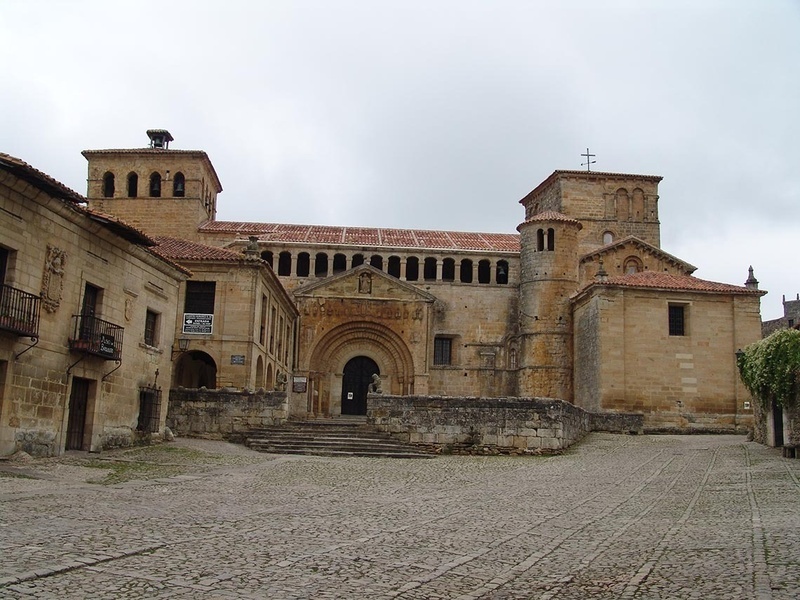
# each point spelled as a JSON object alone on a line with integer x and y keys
{"x": 356, "y": 377}
{"x": 777, "y": 424}
{"x": 78, "y": 408}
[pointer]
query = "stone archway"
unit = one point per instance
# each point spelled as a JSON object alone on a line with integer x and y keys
{"x": 195, "y": 369}
{"x": 374, "y": 341}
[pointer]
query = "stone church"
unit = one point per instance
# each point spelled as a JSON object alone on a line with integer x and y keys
{"x": 581, "y": 304}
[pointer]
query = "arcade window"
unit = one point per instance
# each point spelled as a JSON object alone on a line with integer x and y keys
{"x": 200, "y": 297}
{"x": 155, "y": 185}
{"x": 179, "y": 185}
{"x": 133, "y": 185}
{"x": 442, "y": 350}
{"x": 108, "y": 185}
{"x": 677, "y": 319}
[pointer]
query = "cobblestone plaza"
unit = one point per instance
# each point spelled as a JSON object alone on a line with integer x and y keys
{"x": 658, "y": 517}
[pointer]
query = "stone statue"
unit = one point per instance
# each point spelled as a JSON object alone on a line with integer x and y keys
{"x": 280, "y": 382}
{"x": 375, "y": 386}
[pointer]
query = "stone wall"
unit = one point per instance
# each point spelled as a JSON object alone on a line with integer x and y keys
{"x": 224, "y": 413}
{"x": 517, "y": 424}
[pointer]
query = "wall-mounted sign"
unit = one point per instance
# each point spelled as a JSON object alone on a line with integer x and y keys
{"x": 299, "y": 384}
{"x": 349, "y": 395}
{"x": 197, "y": 323}
{"x": 237, "y": 359}
{"x": 106, "y": 344}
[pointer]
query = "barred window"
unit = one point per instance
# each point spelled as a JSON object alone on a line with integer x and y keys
{"x": 442, "y": 351}
{"x": 677, "y": 319}
{"x": 200, "y": 297}
{"x": 149, "y": 409}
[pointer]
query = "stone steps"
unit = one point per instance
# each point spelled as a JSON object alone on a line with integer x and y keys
{"x": 348, "y": 436}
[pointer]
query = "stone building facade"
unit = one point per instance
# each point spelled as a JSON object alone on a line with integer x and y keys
{"x": 790, "y": 318}
{"x": 87, "y": 313}
{"x": 581, "y": 304}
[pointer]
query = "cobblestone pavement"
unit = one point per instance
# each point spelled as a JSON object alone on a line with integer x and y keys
{"x": 615, "y": 517}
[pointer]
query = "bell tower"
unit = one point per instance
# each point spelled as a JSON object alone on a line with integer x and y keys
{"x": 159, "y": 190}
{"x": 548, "y": 277}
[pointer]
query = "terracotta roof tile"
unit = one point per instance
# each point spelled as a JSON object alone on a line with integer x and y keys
{"x": 369, "y": 236}
{"x": 177, "y": 250}
{"x": 667, "y": 281}
{"x": 39, "y": 178}
{"x": 551, "y": 215}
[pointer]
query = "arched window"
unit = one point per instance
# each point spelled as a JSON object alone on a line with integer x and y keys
{"x": 179, "y": 185}
{"x": 608, "y": 238}
{"x": 321, "y": 265}
{"x": 358, "y": 259}
{"x": 632, "y": 265}
{"x": 501, "y": 275}
{"x": 465, "y": 272}
{"x": 133, "y": 185}
{"x": 484, "y": 271}
{"x": 108, "y": 185}
{"x": 339, "y": 263}
{"x": 267, "y": 257}
{"x": 412, "y": 268}
{"x": 448, "y": 269}
{"x": 551, "y": 239}
{"x": 155, "y": 185}
{"x": 303, "y": 264}
{"x": 540, "y": 239}
{"x": 393, "y": 268}
{"x": 376, "y": 260}
{"x": 430, "y": 269}
{"x": 285, "y": 264}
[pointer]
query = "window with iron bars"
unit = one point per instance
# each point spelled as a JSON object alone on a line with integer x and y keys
{"x": 149, "y": 409}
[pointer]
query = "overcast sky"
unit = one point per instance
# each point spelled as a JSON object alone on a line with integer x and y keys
{"x": 434, "y": 114}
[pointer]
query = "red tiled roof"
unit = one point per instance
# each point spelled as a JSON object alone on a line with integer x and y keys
{"x": 175, "y": 249}
{"x": 551, "y": 215}
{"x": 667, "y": 281}
{"x": 38, "y": 178}
{"x": 369, "y": 236}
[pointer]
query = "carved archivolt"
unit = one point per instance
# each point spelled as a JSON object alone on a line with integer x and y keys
{"x": 53, "y": 278}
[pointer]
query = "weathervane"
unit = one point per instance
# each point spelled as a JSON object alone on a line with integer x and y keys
{"x": 588, "y": 164}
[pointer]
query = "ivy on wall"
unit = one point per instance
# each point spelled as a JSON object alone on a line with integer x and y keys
{"x": 770, "y": 368}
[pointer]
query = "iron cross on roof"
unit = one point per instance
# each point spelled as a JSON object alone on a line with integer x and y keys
{"x": 588, "y": 164}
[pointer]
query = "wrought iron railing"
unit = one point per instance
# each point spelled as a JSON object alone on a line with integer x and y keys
{"x": 19, "y": 311}
{"x": 96, "y": 336}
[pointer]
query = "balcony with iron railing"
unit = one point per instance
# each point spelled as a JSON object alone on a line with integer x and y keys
{"x": 19, "y": 312}
{"x": 95, "y": 336}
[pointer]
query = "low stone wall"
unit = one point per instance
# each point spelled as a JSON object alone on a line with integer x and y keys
{"x": 523, "y": 424}
{"x": 516, "y": 425}
{"x": 224, "y": 413}
{"x": 617, "y": 422}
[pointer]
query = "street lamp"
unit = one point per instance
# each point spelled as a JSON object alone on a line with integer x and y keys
{"x": 183, "y": 346}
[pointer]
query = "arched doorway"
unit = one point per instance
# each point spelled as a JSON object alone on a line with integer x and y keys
{"x": 356, "y": 378}
{"x": 195, "y": 369}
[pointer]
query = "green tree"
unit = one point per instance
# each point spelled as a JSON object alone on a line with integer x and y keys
{"x": 770, "y": 368}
